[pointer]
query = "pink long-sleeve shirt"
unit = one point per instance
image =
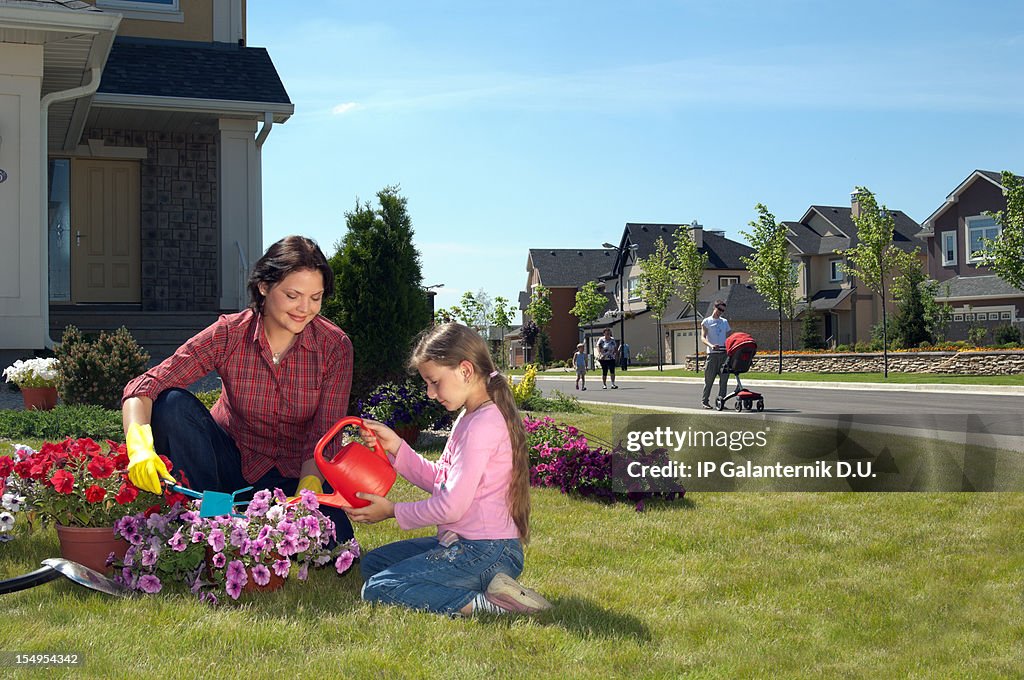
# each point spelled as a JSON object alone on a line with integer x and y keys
{"x": 468, "y": 483}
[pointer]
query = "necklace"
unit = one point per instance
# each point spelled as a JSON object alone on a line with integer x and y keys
{"x": 277, "y": 358}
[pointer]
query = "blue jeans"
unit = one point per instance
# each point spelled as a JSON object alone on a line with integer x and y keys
{"x": 185, "y": 432}
{"x": 422, "y": 574}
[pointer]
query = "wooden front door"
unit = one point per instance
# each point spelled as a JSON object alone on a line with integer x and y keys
{"x": 105, "y": 257}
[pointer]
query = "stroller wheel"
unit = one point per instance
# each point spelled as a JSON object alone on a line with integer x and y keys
{"x": 760, "y": 404}
{"x": 719, "y": 403}
{"x": 739, "y": 405}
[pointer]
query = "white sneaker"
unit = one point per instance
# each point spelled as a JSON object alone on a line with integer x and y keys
{"x": 507, "y": 593}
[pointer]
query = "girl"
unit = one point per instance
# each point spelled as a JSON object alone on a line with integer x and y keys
{"x": 480, "y": 492}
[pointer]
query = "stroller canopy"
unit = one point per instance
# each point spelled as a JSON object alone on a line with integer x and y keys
{"x": 737, "y": 340}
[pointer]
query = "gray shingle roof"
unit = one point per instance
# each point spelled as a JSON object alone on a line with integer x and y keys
{"x": 168, "y": 68}
{"x": 811, "y": 242}
{"x": 723, "y": 253}
{"x": 744, "y": 304}
{"x": 988, "y": 285}
{"x": 830, "y": 298}
{"x": 571, "y": 267}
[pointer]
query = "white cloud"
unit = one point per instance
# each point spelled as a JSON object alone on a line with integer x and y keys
{"x": 342, "y": 109}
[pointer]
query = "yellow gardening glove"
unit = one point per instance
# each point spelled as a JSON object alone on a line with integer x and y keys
{"x": 311, "y": 482}
{"x": 145, "y": 469}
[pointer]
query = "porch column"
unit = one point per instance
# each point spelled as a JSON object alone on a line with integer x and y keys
{"x": 241, "y": 208}
{"x": 23, "y": 267}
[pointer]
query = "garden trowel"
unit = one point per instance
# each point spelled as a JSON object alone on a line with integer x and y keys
{"x": 56, "y": 567}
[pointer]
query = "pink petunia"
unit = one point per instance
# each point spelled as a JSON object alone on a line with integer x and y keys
{"x": 344, "y": 561}
{"x": 281, "y": 567}
{"x": 150, "y": 584}
{"x": 261, "y": 575}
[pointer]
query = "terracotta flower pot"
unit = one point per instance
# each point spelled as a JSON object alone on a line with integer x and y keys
{"x": 39, "y": 398}
{"x": 90, "y": 546}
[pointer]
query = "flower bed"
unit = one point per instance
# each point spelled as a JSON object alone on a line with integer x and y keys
{"x": 561, "y": 456}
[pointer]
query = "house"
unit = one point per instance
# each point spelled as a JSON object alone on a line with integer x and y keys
{"x": 817, "y": 242}
{"x": 131, "y": 148}
{"x": 637, "y": 327}
{"x": 953, "y": 239}
{"x": 563, "y": 272}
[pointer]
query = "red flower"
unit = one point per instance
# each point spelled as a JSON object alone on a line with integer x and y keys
{"x": 167, "y": 462}
{"x": 173, "y": 497}
{"x": 39, "y": 467}
{"x": 63, "y": 482}
{"x": 101, "y": 467}
{"x": 6, "y": 466}
{"x": 23, "y": 468}
{"x": 126, "y": 494}
{"x": 95, "y": 493}
{"x": 151, "y": 510}
{"x": 121, "y": 461}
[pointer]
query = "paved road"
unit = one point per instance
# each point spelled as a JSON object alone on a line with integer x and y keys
{"x": 1002, "y": 413}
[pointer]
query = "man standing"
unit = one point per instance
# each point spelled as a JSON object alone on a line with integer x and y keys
{"x": 714, "y": 330}
{"x": 607, "y": 353}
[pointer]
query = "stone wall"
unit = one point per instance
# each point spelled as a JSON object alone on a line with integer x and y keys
{"x": 994, "y": 362}
{"x": 179, "y": 221}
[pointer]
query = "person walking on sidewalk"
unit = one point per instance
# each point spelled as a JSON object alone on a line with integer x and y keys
{"x": 714, "y": 330}
{"x": 579, "y": 360}
{"x": 608, "y": 353}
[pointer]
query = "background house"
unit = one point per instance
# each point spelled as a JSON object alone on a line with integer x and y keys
{"x": 848, "y": 311}
{"x": 564, "y": 272}
{"x": 952, "y": 236}
{"x": 132, "y": 135}
{"x": 724, "y": 269}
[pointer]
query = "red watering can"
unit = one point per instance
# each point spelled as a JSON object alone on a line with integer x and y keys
{"x": 354, "y": 468}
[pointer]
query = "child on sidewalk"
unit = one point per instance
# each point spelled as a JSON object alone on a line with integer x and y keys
{"x": 480, "y": 490}
{"x": 579, "y": 360}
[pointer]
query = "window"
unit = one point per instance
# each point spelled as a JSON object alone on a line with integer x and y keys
{"x": 948, "y": 248}
{"x": 835, "y": 271}
{"x": 633, "y": 287}
{"x": 979, "y": 228}
{"x": 154, "y": 10}
{"x": 726, "y": 281}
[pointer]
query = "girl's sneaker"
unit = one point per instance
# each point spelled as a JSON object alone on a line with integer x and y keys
{"x": 507, "y": 593}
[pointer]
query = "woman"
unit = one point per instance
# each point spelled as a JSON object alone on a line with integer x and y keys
{"x": 286, "y": 374}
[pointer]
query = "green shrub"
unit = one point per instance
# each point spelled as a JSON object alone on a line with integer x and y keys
{"x": 842, "y": 348}
{"x": 96, "y": 371}
{"x": 977, "y": 335}
{"x": 209, "y": 398}
{"x": 61, "y": 422}
{"x": 558, "y": 403}
{"x": 1006, "y": 334}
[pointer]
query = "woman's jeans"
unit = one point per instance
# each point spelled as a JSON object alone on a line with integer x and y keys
{"x": 185, "y": 432}
{"x": 423, "y": 574}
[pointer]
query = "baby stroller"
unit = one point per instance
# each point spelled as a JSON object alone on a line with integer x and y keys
{"x": 740, "y": 349}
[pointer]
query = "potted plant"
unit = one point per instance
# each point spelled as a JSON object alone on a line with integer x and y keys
{"x": 230, "y": 554}
{"x": 405, "y": 408}
{"x": 81, "y": 489}
{"x": 37, "y": 380}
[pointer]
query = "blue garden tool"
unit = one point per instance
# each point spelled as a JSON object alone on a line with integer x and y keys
{"x": 213, "y": 503}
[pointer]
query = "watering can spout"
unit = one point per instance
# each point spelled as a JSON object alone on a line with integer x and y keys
{"x": 354, "y": 469}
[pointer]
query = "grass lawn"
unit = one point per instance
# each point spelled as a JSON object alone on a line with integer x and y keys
{"x": 894, "y": 378}
{"x": 721, "y": 585}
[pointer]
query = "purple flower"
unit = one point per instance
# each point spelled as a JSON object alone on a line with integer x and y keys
{"x": 219, "y": 560}
{"x": 198, "y": 537}
{"x": 238, "y": 536}
{"x": 190, "y": 517}
{"x": 177, "y": 542}
{"x": 216, "y": 540}
{"x": 353, "y": 547}
{"x": 344, "y": 561}
{"x": 259, "y": 504}
{"x": 234, "y": 589}
{"x": 280, "y": 496}
{"x": 150, "y": 584}
{"x": 310, "y": 525}
{"x": 288, "y": 545}
{"x": 149, "y": 557}
{"x": 264, "y": 534}
{"x": 261, "y": 575}
{"x": 309, "y": 499}
{"x": 209, "y": 597}
{"x": 281, "y": 567}
{"x": 303, "y": 572}
{"x": 157, "y": 523}
{"x": 302, "y": 545}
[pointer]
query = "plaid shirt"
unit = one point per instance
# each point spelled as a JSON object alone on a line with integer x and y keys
{"x": 275, "y": 414}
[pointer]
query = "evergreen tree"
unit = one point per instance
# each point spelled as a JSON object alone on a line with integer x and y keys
{"x": 810, "y": 332}
{"x": 910, "y": 327}
{"x": 379, "y": 298}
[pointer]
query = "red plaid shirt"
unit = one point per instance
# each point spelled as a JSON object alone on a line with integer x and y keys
{"x": 275, "y": 414}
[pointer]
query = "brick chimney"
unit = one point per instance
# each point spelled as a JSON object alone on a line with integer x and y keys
{"x": 855, "y": 203}
{"x": 697, "y": 233}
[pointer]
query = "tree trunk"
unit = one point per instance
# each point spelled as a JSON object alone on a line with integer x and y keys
{"x": 780, "y": 338}
{"x": 885, "y": 334}
{"x": 696, "y": 337}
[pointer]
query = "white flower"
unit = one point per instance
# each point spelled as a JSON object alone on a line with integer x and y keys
{"x": 6, "y": 521}
{"x": 12, "y": 502}
{"x": 33, "y": 373}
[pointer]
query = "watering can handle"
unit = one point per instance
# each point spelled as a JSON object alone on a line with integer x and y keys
{"x": 318, "y": 452}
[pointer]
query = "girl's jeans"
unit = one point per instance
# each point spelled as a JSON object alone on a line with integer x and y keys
{"x": 423, "y": 574}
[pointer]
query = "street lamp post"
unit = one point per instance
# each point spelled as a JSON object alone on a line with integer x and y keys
{"x": 631, "y": 248}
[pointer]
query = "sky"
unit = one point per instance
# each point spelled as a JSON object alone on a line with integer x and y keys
{"x": 518, "y": 125}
